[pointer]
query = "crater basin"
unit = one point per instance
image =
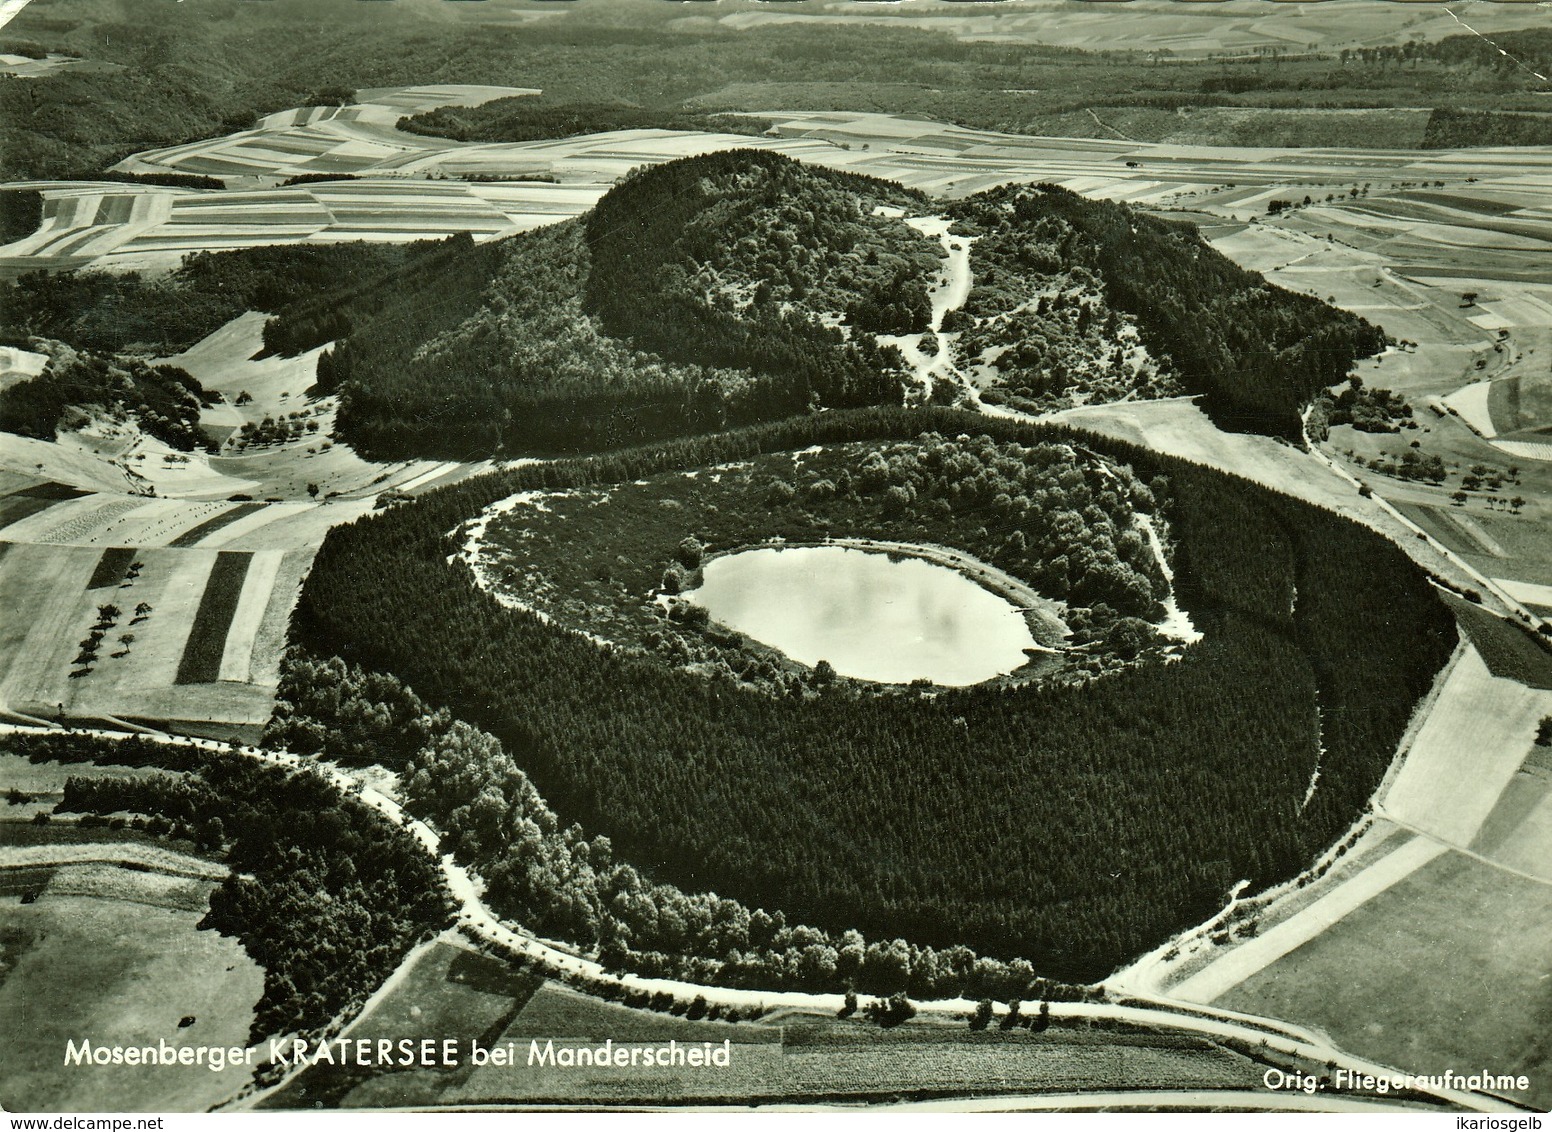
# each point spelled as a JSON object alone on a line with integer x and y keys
{"x": 871, "y": 615}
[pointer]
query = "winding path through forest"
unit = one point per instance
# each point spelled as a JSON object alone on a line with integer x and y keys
{"x": 948, "y": 294}
{"x": 477, "y": 921}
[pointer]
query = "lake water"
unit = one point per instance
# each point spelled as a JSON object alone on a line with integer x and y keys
{"x": 870, "y": 617}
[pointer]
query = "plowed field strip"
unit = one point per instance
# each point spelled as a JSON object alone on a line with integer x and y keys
{"x": 192, "y": 536}
{"x": 201, "y": 662}
{"x": 15, "y": 508}
{"x": 111, "y": 567}
{"x": 237, "y": 657}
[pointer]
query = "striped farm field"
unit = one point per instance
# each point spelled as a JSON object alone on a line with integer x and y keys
{"x": 393, "y": 199}
{"x": 111, "y": 567}
{"x": 191, "y": 612}
{"x": 201, "y": 661}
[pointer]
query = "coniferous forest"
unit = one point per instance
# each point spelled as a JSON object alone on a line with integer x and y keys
{"x": 1070, "y": 826}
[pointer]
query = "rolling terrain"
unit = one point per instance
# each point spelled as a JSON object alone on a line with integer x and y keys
{"x": 1453, "y": 842}
{"x": 90, "y": 521}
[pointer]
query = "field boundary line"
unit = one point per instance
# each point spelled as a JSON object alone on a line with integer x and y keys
{"x": 1255, "y": 955}
{"x": 1472, "y": 853}
{"x": 147, "y": 857}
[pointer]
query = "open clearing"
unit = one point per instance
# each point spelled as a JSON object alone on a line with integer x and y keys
{"x": 118, "y": 967}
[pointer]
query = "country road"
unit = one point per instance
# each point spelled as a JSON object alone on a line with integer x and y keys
{"x": 477, "y": 920}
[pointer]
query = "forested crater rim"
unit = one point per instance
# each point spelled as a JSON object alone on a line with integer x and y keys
{"x": 744, "y": 794}
{"x": 1026, "y": 564}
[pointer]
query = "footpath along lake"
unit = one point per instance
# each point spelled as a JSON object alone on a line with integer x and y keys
{"x": 871, "y": 616}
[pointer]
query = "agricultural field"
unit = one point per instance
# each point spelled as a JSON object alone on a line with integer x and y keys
{"x": 1518, "y": 833}
{"x": 360, "y": 139}
{"x": 1469, "y": 747}
{"x": 112, "y": 954}
{"x": 132, "y": 227}
{"x": 806, "y": 1057}
{"x": 790, "y": 1055}
{"x": 1445, "y": 969}
{"x": 1425, "y": 221}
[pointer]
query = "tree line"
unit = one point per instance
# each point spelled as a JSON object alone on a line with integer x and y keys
{"x": 538, "y": 118}
{"x": 116, "y": 312}
{"x": 325, "y": 893}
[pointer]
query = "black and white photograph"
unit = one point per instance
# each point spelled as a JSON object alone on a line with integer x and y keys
{"x": 837, "y": 557}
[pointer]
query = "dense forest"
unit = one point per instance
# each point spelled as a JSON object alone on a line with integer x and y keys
{"x": 325, "y": 894}
{"x": 1258, "y": 353}
{"x": 536, "y": 118}
{"x": 165, "y": 400}
{"x": 552, "y": 878}
{"x": 1460, "y": 129}
{"x": 1070, "y": 826}
{"x": 21, "y": 211}
{"x": 600, "y": 333}
{"x": 610, "y": 562}
{"x": 719, "y": 258}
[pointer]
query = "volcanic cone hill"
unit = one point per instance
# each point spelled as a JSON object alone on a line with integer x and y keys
{"x": 742, "y": 286}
